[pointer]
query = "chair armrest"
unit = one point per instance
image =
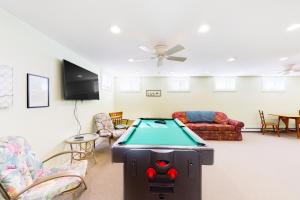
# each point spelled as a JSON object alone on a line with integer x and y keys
{"x": 63, "y": 153}
{"x": 236, "y": 123}
{"x": 48, "y": 178}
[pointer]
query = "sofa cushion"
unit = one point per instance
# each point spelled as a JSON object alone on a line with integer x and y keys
{"x": 200, "y": 116}
{"x": 221, "y": 118}
{"x": 210, "y": 127}
{"x": 181, "y": 116}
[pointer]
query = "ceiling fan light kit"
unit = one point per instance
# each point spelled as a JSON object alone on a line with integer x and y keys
{"x": 161, "y": 52}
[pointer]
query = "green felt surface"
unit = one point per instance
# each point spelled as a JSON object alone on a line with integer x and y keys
{"x": 148, "y": 132}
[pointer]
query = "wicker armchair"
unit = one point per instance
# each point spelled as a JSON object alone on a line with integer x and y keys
{"x": 105, "y": 127}
{"x": 24, "y": 176}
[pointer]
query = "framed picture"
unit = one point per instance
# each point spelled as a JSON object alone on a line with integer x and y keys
{"x": 153, "y": 93}
{"x": 6, "y": 86}
{"x": 37, "y": 91}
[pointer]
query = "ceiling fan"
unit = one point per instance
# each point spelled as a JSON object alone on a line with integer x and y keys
{"x": 160, "y": 53}
{"x": 288, "y": 69}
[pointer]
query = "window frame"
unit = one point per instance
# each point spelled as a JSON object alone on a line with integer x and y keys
{"x": 179, "y": 78}
{"x": 120, "y": 82}
{"x": 275, "y": 89}
{"x": 234, "y": 78}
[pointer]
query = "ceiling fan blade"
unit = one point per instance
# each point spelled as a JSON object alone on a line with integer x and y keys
{"x": 160, "y": 61}
{"x": 173, "y": 50}
{"x": 146, "y": 49}
{"x": 140, "y": 60}
{"x": 175, "y": 58}
{"x": 285, "y": 72}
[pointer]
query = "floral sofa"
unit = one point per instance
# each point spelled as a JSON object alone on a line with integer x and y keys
{"x": 23, "y": 176}
{"x": 219, "y": 128}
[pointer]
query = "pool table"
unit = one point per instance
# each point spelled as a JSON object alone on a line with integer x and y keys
{"x": 162, "y": 160}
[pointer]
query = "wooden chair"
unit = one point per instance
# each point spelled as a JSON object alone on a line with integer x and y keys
{"x": 118, "y": 121}
{"x": 265, "y": 124}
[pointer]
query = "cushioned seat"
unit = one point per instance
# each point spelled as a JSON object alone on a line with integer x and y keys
{"x": 53, "y": 188}
{"x": 210, "y": 127}
{"x": 24, "y": 176}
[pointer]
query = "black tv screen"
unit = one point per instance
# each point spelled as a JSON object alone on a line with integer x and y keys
{"x": 79, "y": 83}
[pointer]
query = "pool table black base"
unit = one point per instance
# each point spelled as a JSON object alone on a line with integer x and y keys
{"x": 186, "y": 185}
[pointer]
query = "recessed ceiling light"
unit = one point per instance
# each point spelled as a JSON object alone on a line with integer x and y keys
{"x": 172, "y": 72}
{"x": 283, "y": 59}
{"x": 293, "y": 27}
{"x": 231, "y": 59}
{"x": 204, "y": 28}
{"x": 115, "y": 29}
{"x": 130, "y": 60}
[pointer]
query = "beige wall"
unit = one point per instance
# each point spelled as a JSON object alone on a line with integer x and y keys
{"x": 242, "y": 104}
{"x": 29, "y": 51}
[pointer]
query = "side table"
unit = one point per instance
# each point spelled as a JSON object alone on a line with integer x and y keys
{"x": 86, "y": 143}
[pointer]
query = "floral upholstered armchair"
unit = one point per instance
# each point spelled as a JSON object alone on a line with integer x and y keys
{"x": 23, "y": 176}
{"x": 105, "y": 127}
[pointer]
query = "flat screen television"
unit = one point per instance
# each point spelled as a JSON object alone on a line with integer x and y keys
{"x": 79, "y": 83}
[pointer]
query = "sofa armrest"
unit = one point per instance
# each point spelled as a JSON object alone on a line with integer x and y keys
{"x": 237, "y": 124}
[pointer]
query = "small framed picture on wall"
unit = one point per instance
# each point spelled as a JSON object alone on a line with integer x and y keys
{"x": 153, "y": 93}
{"x": 37, "y": 91}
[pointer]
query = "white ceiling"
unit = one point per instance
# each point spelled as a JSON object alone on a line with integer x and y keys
{"x": 253, "y": 31}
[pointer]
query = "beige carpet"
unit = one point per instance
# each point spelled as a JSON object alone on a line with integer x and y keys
{"x": 261, "y": 167}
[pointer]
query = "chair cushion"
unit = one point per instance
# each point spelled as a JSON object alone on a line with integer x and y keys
{"x": 210, "y": 127}
{"x": 104, "y": 133}
{"x": 77, "y": 167}
{"x": 121, "y": 126}
{"x": 12, "y": 157}
{"x": 33, "y": 163}
{"x": 103, "y": 121}
{"x": 221, "y": 118}
{"x": 118, "y": 133}
{"x": 53, "y": 188}
{"x": 12, "y": 181}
